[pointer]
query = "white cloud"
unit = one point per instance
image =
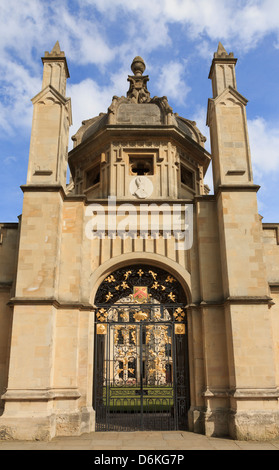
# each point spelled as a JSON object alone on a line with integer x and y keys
{"x": 24, "y": 30}
{"x": 264, "y": 143}
{"x": 18, "y": 86}
{"x": 88, "y": 100}
{"x": 144, "y": 24}
{"x": 85, "y": 40}
{"x": 23, "y": 35}
{"x": 239, "y": 22}
{"x": 171, "y": 81}
{"x": 9, "y": 160}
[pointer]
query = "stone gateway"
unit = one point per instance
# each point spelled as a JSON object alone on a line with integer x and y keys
{"x": 107, "y": 323}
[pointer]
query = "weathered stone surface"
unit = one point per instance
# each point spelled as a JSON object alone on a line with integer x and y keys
{"x": 139, "y": 115}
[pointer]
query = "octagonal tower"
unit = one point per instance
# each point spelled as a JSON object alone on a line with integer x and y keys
{"x": 139, "y": 136}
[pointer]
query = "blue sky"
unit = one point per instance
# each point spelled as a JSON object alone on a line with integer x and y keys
{"x": 176, "y": 38}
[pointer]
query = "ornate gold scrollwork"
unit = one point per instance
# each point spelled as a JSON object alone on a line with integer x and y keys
{"x": 110, "y": 278}
{"x": 156, "y": 285}
{"x": 133, "y": 334}
{"x": 125, "y": 315}
{"x": 145, "y": 283}
{"x": 141, "y": 316}
{"x": 109, "y": 296}
{"x": 127, "y": 274}
{"x": 148, "y": 333}
{"x": 154, "y": 275}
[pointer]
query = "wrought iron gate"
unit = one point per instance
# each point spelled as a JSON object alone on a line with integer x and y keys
{"x": 141, "y": 379}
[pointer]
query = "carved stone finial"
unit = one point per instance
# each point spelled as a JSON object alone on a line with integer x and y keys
{"x": 138, "y": 66}
{"x": 138, "y": 92}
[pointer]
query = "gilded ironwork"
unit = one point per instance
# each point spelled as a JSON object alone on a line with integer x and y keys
{"x": 102, "y": 315}
{"x": 179, "y": 314}
{"x": 127, "y": 274}
{"x": 179, "y": 329}
{"x": 153, "y": 274}
{"x": 140, "y": 294}
{"x": 101, "y": 329}
{"x": 172, "y": 297}
{"x": 160, "y": 285}
{"x": 140, "y": 315}
{"x": 109, "y": 296}
{"x": 110, "y": 279}
{"x": 141, "y": 347}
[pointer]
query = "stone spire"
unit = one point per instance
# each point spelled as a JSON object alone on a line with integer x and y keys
{"x": 50, "y": 128}
{"x": 56, "y": 51}
{"x": 221, "y": 52}
{"x": 227, "y": 120}
{"x": 138, "y": 92}
{"x": 222, "y": 71}
{"x": 56, "y": 70}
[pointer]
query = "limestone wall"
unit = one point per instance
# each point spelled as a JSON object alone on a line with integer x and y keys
{"x": 270, "y": 237}
{"x": 61, "y": 268}
{"x": 85, "y": 262}
{"x": 8, "y": 257}
{"x": 8, "y": 251}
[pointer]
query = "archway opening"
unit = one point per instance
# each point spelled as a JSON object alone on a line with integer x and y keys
{"x": 141, "y": 352}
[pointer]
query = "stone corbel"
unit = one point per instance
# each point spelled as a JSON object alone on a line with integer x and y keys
{"x": 103, "y": 158}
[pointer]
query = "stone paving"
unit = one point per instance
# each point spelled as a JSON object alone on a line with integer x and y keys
{"x": 144, "y": 441}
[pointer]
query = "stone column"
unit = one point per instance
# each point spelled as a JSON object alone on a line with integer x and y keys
{"x": 252, "y": 384}
{"x": 30, "y": 407}
{"x": 52, "y": 117}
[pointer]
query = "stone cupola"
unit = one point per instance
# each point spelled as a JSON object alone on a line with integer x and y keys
{"x": 139, "y": 135}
